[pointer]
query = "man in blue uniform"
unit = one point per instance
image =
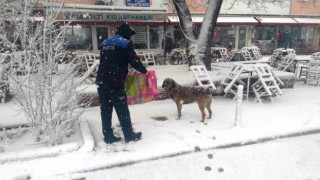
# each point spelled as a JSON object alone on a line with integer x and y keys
{"x": 116, "y": 54}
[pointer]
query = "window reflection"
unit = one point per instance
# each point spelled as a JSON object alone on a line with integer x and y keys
{"x": 79, "y": 37}
{"x": 228, "y": 34}
{"x": 265, "y": 38}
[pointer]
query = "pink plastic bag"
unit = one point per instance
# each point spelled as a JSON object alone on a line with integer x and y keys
{"x": 141, "y": 88}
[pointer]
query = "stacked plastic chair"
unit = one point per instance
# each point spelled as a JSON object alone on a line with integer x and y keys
{"x": 201, "y": 74}
{"x": 255, "y": 51}
{"x": 245, "y": 53}
{"x": 276, "y": 55}
{"x": 287, "y": 63}
{"x": 314, "y": 72}
{"x": 266, "y": 85}
{"x": 232, "y": 80}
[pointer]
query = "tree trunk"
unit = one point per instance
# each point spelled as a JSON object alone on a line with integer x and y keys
{"x": 186, "y": 25}
{"x": 198, "y": 50}
{"x": 204, "y": 39}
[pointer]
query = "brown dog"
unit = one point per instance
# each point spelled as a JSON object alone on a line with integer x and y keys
{"x": 182, "y": 94}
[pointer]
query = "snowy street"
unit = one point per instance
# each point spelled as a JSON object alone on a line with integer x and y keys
{"x": 290, "y": 158}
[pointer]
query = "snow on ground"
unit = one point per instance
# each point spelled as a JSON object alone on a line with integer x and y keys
{"x": 293, "y": 158}
{"x": 297, "y": 110}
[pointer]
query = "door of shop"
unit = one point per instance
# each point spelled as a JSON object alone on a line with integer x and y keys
{"x": 242, "y": 37}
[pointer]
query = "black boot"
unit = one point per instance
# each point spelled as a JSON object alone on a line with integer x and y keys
{"x": 132, "y": 136}
{"x": 111, "y": 139}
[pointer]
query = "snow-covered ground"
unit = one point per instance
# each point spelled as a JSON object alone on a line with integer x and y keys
{"x": 291, "y": 158}
{"x": 296, "y": 111}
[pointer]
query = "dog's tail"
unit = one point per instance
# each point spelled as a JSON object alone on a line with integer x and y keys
{"x": 218, "y": 91}
{"x": 210, "y": 90}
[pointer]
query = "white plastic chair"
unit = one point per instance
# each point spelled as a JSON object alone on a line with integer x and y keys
{"x": 90, "y": 58}
{"x": 149, "y": 58}
{"x": 314, "y": 72}
{"x": 266, "y": 85}
{"x": 315, "y": 56}
{"x": 246, "y": 54}
{"x": 232, "y": 80}
{"x": 201, "y": 74}
{"x": 287, "y": 63}
{"x": 304, "y": 68}
{"x": 223, "y": 53}
{"x": 231, "y": 55}
{"x": 291, "y": 52}
{"x": 91, "y": 72}
{"x": 255, "y": 52}
{"x": 277, "y": 54}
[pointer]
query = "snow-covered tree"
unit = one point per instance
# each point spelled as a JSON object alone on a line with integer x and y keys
{"x": 198, "y": 47}
{"x": 36, "y": 44}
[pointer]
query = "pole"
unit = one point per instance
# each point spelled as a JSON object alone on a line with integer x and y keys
{"x": 239, "y": 96}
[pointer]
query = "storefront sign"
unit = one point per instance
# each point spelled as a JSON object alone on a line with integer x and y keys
{"x": 108, "y": 17}
{"x": 138, "y": 3}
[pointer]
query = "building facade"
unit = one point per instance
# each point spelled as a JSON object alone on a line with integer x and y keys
{"x": 90, "y": 22}
{"x": 294, "y": 26}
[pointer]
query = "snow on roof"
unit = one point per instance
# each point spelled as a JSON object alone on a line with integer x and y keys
{"x": 237, "y": 19}
{"x": 276, "y": 20}
{"x": 308, "y": 20}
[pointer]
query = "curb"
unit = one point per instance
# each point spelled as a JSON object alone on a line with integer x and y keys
{"x": 268, "y": 138}
{"x": 30, "y": 154}
{"x": 87, "y": 138}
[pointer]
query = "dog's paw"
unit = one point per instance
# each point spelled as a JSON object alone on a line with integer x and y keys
{"x": 204, "y": 122}
{"x": 178, "y": 118}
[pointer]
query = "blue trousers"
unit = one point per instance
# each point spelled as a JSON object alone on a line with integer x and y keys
{"x": 114, "y": 98}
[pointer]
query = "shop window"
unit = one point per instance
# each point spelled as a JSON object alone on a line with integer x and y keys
{"x": 297, "y": 41}
{"x": 266, "y": 33}
{"x": 305, "y": 44}
{"x": 227, "y": 35}
{"x": 140, "y": 38}
{"x": 310, "y": 34}
{"x": 80, "y": 38}
{"x": 265, "y": 38}
{"x": 154, "y": 36}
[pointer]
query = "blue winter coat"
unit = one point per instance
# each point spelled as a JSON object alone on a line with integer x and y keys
{"x": 115, "y": 56}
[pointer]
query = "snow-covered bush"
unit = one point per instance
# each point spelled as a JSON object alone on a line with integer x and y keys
{"x": 48, "y": 100}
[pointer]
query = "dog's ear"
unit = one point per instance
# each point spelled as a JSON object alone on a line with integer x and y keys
{"x": 173, "y": 84}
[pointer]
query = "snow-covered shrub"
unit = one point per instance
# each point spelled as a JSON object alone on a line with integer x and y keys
{"x": 48, "y": 100}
